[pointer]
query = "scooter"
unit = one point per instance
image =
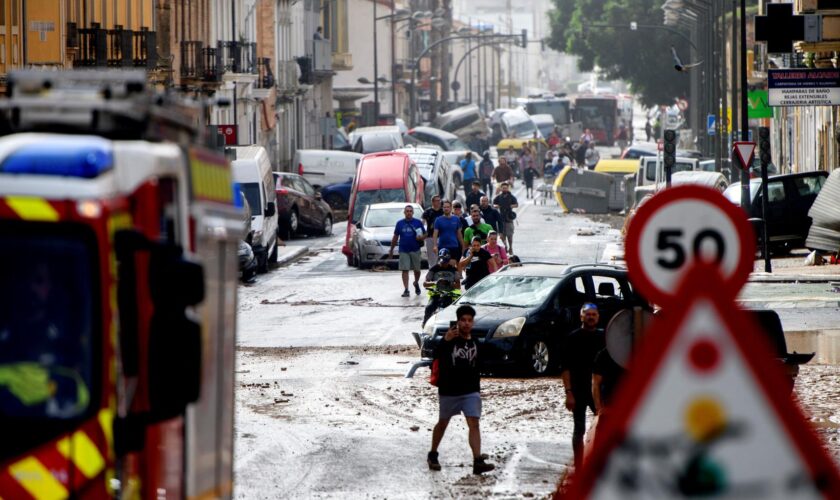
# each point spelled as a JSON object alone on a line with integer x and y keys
{"x": 441, "y": 296}
{"x": 247, "y": 262}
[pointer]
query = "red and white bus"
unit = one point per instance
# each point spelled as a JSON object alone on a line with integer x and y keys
{"x": 603, "y": 115}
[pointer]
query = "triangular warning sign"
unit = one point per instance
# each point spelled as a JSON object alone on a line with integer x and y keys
{"x": 744, "y": 151}
{"x": 703, "y": 412}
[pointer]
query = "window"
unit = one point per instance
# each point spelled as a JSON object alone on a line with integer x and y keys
{"x": 775, "y": 191}
{"x": 251, "y": 190}
{"x": 305, "y": 186}
{"x": 607, "y": 287}
{"x": 411, "y": 185}
{"x": 807, "y": 186}
{"x": 48, "y": 318}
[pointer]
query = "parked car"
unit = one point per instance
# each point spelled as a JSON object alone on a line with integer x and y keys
{"x": 337, "y": 195}
{"x": 789, "y": 197}
{"x": 340, "y": 140}
{"x": 545, "y": 123}
{"x": 440, "y": 178}
{"x": 323, "y": 166}
{"x": 376, "y": 139}
{"x": 517, "y": 124}
{"x": 372, "y": 239}
{"x": 524, "y": 313}
{"x": 649, "y": 149}
{"x": 437, "y": 137}
{"x": 300, "y": 207}
{"x": 252, "y": 170}
{"x": 381, "y": 178}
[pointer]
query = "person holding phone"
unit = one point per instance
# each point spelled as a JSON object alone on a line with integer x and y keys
{"x": 459, "y": 387}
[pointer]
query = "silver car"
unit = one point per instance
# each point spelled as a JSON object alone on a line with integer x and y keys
{"x": 372, "y": 239}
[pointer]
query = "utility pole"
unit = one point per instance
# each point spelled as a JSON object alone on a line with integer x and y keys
{"x": 745, "y": 121}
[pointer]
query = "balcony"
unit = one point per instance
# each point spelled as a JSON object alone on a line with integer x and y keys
{"x": 342, "y": 61}
{"x": 287, "y": 79}
{"x": 320, "y": 53}
{"x": 236, "y": 59}
{"x": 116, "y": 48}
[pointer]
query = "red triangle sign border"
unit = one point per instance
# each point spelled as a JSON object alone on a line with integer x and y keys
{"x": 746, "y": 161}
{"x": 754, "y": 351}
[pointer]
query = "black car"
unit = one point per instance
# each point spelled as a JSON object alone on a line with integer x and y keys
{"x": 789, "y": 197}
{"x": 300, "y": 207}
{"x": 524, "y": 313}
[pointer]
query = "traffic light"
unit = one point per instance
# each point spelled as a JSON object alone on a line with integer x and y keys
{"x": 764, "y": 145}
{"x": 669, "y": 150}
{"x": 525, "y": 39}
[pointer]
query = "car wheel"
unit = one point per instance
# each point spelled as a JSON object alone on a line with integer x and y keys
{"x": 326, "y": 227}
{"x": 336, "y": 201}
{"x": 538, "y": 360}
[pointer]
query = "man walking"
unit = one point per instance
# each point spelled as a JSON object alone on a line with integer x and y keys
{"x": 459, "y": 387}
{"x": 410, "y": 233}
{"x": 503, "y": 172}
{"x": 477, "y": 228}
{"x": 474, "y": 195}
{"x": 429, "y": 216}
{"x": 447, "y": 233}
{"x": 485, "y": 174}
{"x": 470, "y": 174}
{"x": 506, "y": 202}
{"x": 490, "y": 215}
{"x": 578, "y": 358}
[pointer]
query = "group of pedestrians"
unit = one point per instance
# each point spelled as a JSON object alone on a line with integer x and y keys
{"x": 589, "y": 375}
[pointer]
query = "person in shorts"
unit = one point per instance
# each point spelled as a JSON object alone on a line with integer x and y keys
{"x": 459, "y": 387}
{"x": 410, "y": 233}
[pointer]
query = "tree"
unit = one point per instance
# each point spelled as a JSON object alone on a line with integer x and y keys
{"x": 642, "y": 58}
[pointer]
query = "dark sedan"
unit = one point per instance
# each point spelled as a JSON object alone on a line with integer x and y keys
{"x": 523, "y": 314}
{"x": 299, "y": 207}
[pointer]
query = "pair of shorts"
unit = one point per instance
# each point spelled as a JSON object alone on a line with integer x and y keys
{"x": 410, "y": 261}
{"x": 468, "y": 404}
{"x": 507, "y": 229}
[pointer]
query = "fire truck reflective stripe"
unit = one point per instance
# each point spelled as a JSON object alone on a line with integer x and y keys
{"x": 29, "y": 208}
{"x": 86, "y": 457}
{"x": 37, "y": 480}
{"x": 106, "y": 420}
{"x": 10, "y": 488}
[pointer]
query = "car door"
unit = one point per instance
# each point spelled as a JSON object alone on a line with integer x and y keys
{"x": 566, "y": 303}
{"x": 304, "y": 205}
{"x": 316, "y": 212}
{"x": 611, "y": 292}
{"x": 806, "y": 188}
{"x": 779, "y": 220}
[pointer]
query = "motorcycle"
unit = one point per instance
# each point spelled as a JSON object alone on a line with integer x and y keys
{"x": 441, "y": 296}
{"x": 247, "y": 262}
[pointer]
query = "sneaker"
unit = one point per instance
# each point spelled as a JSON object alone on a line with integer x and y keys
{"x": 405, "y": 293}
{"x": 417, "y": 288}
{"x": 432, "y": 460}
{"x": 480, "y": 466}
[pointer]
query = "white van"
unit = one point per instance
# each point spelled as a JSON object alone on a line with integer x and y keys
{"x": 322, "y": 167}
{"x": 652, "y": 169}
{"x": 252, "y": 170}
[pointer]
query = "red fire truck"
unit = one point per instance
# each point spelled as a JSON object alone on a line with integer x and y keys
{"x": 118, "y": 275}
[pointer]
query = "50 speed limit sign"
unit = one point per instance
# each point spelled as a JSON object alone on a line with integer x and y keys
{"x": 680, "y": 226}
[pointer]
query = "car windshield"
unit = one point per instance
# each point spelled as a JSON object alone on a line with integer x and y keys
{"x": 383, "y": 217}
{"x": 733, "y": 192}
{"x": 557, "y": 109}
{"x": 378, "y": 143}
{"x": 365, "y": 198}
{"x": 48, "y": 299}
{"x": 457, "y": 144}
{"x": 506, "y": 290}
{"x": 252, "y": 194}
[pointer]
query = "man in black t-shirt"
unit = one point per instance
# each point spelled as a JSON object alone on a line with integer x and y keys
{"x": 606, "y": 374}
{"x": 506, "y": 202}
{"x": 459, "y": 387}
{"x": 476, "y": 261}
{"x": 475, "y": 194}
{"x": 577, "y": 359}
{"x": 491, "y": 215}
{"x": 429, "y": 216}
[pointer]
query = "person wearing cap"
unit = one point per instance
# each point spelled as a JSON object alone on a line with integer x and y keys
{"x": 459, "y": 387}
{"x": 576, "y": 364}
{"x": 443, "y": 274}
{"x": 410, "y": 233}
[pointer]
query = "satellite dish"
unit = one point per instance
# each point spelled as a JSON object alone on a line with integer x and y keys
{"x": 621, "y": 334}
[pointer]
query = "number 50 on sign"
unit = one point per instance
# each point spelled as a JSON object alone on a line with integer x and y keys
{"x": 679, "y": 226}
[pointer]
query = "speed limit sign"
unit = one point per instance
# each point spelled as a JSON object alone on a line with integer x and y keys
{"x": 680, "y": 226}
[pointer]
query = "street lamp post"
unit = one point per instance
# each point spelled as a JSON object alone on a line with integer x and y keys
{"x": 392, "y": 15}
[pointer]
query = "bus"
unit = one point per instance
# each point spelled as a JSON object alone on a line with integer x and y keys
{"x": 603, "y": 114}
{"x": 559, "y": 107}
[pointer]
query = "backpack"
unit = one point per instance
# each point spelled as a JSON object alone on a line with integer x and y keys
{"x": 433, "y": 377}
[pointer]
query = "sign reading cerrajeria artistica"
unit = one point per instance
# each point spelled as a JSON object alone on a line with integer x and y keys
{"x": 804, "y": 87}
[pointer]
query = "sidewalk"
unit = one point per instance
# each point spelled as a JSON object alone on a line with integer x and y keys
{"x": 291, "y": 252}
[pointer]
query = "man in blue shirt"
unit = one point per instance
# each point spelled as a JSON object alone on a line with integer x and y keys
{"x": 470, "y": 173}
{"x": 410, "y": 233}
{"x": 448, "y": 233}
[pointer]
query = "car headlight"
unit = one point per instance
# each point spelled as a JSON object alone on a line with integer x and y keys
{"x": 429, "y": 328}
{"x": 509, "y": 328}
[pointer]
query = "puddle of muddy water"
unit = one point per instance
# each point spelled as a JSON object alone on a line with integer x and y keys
{"x": 826, "y": 343}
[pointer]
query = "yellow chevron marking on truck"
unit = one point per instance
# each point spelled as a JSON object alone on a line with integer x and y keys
{"x": 37, "y": 480}
{"x": 29, "y": 208}
{"x": 86, "y": 456}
